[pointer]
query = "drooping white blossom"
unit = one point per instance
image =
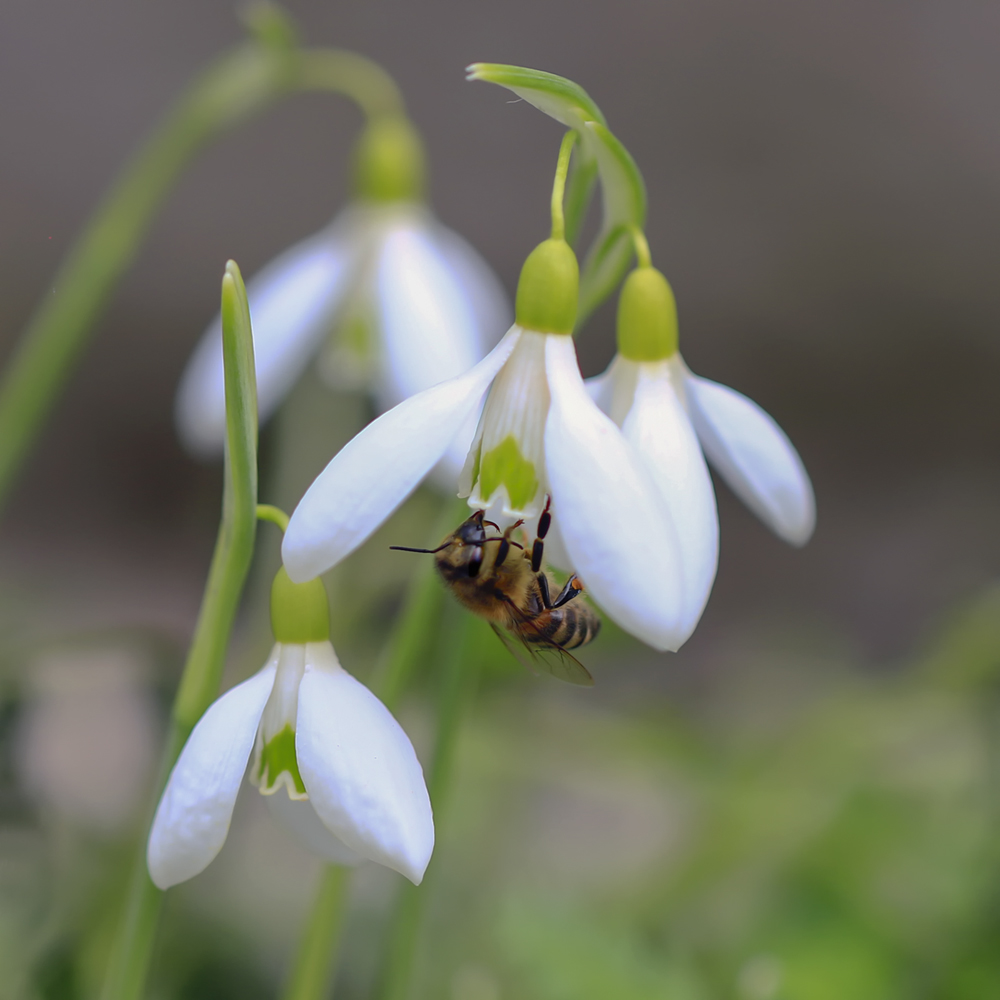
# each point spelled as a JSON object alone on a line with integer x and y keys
{"x": 540, "y": 435}
{"x": 672, "y": 417}
{"x": 385, "y": 297}
{"x": 335, "y": 765}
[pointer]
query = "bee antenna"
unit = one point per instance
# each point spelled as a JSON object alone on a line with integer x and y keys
{"x": 405, "y": 548}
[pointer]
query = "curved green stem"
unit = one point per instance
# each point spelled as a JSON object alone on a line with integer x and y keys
{"x": 268, "y": 512}
{"x": 643, "y": 258}
{"x": 313, "y": 967}
{"x": 133, "y": 946}
{"x": 559, "y": 185}
{"x": 236, "y": 86}
{"x": 457, "y": 689}
{"x": 351, "y": 75}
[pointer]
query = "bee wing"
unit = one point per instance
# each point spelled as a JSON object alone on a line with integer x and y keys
{"x": 550, "y": 656}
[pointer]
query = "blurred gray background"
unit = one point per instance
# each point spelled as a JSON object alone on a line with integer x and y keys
{"x": 824, "y": 186}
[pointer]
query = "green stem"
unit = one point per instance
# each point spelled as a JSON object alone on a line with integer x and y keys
{"x": 313, "y": 968}
{"x": 238, "y": 85}
{"x": 458, "y": 685}
{"x": 417, "y": 624}
{"x": 268, "y": 512}
{"x": 559, "y": 185}
{"x": 643, "y": 258}
{"x": 133, "y": 945}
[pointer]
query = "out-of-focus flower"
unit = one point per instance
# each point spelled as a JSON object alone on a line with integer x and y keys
{"x": 335, "y": 765}
{"x": 670, "y": 416}
{"x": 86, "y": 740}
{"x": 385, "y": 297}
{"x": 540, "y": 433}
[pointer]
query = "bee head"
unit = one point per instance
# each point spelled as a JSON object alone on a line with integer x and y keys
{"x": 472, "y": 531}
{"x": 461, "y": 553}
{"x": 471, "y": 534}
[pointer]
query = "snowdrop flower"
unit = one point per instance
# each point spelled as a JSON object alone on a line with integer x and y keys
{"x": 333, "y": 762}
{"x": 540, "y": 433}
{"x": 384, "y": 297}
{"x": 670, "y": 416}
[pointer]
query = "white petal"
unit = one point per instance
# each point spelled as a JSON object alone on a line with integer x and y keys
{"x": 379, "y": 468}
{"x": 300, "y": 817}
{"x": 292, "y": 304}
{"x": 192, "y": 819}
{"x": 755, "y": 457}
{"x": 426, "y": 323}
{"x": 599, "y": 387}
{"x": 657, "y": 426}
{"x": 488, "y": 298}
{"x": 359, "y": 768}
{"x": 609, "y": 513}
{"x": 446, "y": 474}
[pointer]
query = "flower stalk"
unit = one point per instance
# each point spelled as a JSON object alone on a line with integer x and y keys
{"x": 456, "y": 691}
{"x": 314, "y": 964}
{"x": 315, "y": 959}
{"x": 132, "y": 949}
{"x": 559, "y": 186}
{"x": 236, "y": 86}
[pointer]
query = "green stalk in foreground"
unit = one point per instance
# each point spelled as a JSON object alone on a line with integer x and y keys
{"x": 238, "y": 85}
{"x": 314, "y": 964}
{"x": 132, "y": 949}
{"x": 458, "y": 681}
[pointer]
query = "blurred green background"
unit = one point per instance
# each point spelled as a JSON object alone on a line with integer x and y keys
{"x": 800, "y": 804}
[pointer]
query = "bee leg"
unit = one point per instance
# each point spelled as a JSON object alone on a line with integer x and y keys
{"x": 504, "y": 547}
{"x": 544, "y": 522}
{"x": 574, "y": 587}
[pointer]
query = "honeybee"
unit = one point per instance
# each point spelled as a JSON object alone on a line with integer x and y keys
{"x": 500, "y": 580}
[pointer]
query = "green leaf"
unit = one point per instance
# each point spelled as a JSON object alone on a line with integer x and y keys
{"x": 624, "y": 191}
{"x": 579, "y": 191}
{"x": 235, "y": 542}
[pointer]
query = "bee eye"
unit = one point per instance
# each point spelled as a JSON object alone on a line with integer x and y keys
{"x": 475, "y": 561}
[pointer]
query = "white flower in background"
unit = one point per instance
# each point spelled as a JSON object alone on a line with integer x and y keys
{"x": 385, "y": 297}
{"x": 670, "y": 416}
{"x": 540, "y": 433}
{"x": 334, "y": 764}
{"x": 85, "y": 743}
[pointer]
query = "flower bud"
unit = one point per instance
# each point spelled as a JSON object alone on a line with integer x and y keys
{"x": 548, "y": 288}
{"x": 299, "y": 611}
{"x": 389, "y": 161}
{"x": 647, "y": 317}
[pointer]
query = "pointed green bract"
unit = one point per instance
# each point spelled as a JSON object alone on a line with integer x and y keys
{"x": 300, "y": 612}
{"x": 647, "y": 317}
{"x": 234, "y": 546}
{"x": 277, "y": 756}
{"x": 622, "y": 185}
{"x": 505, "y": 465}
{"x": 547, "y": 289}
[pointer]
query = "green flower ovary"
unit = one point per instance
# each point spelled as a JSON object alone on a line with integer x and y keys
{"x": 299, "y": 611}
{"x": 647, "y": 317}
{"x": 389, "y": 161}
{"x": 277, "y": 757}
{"x": 505, "y": 465}
{"x": 548, "y": 288}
